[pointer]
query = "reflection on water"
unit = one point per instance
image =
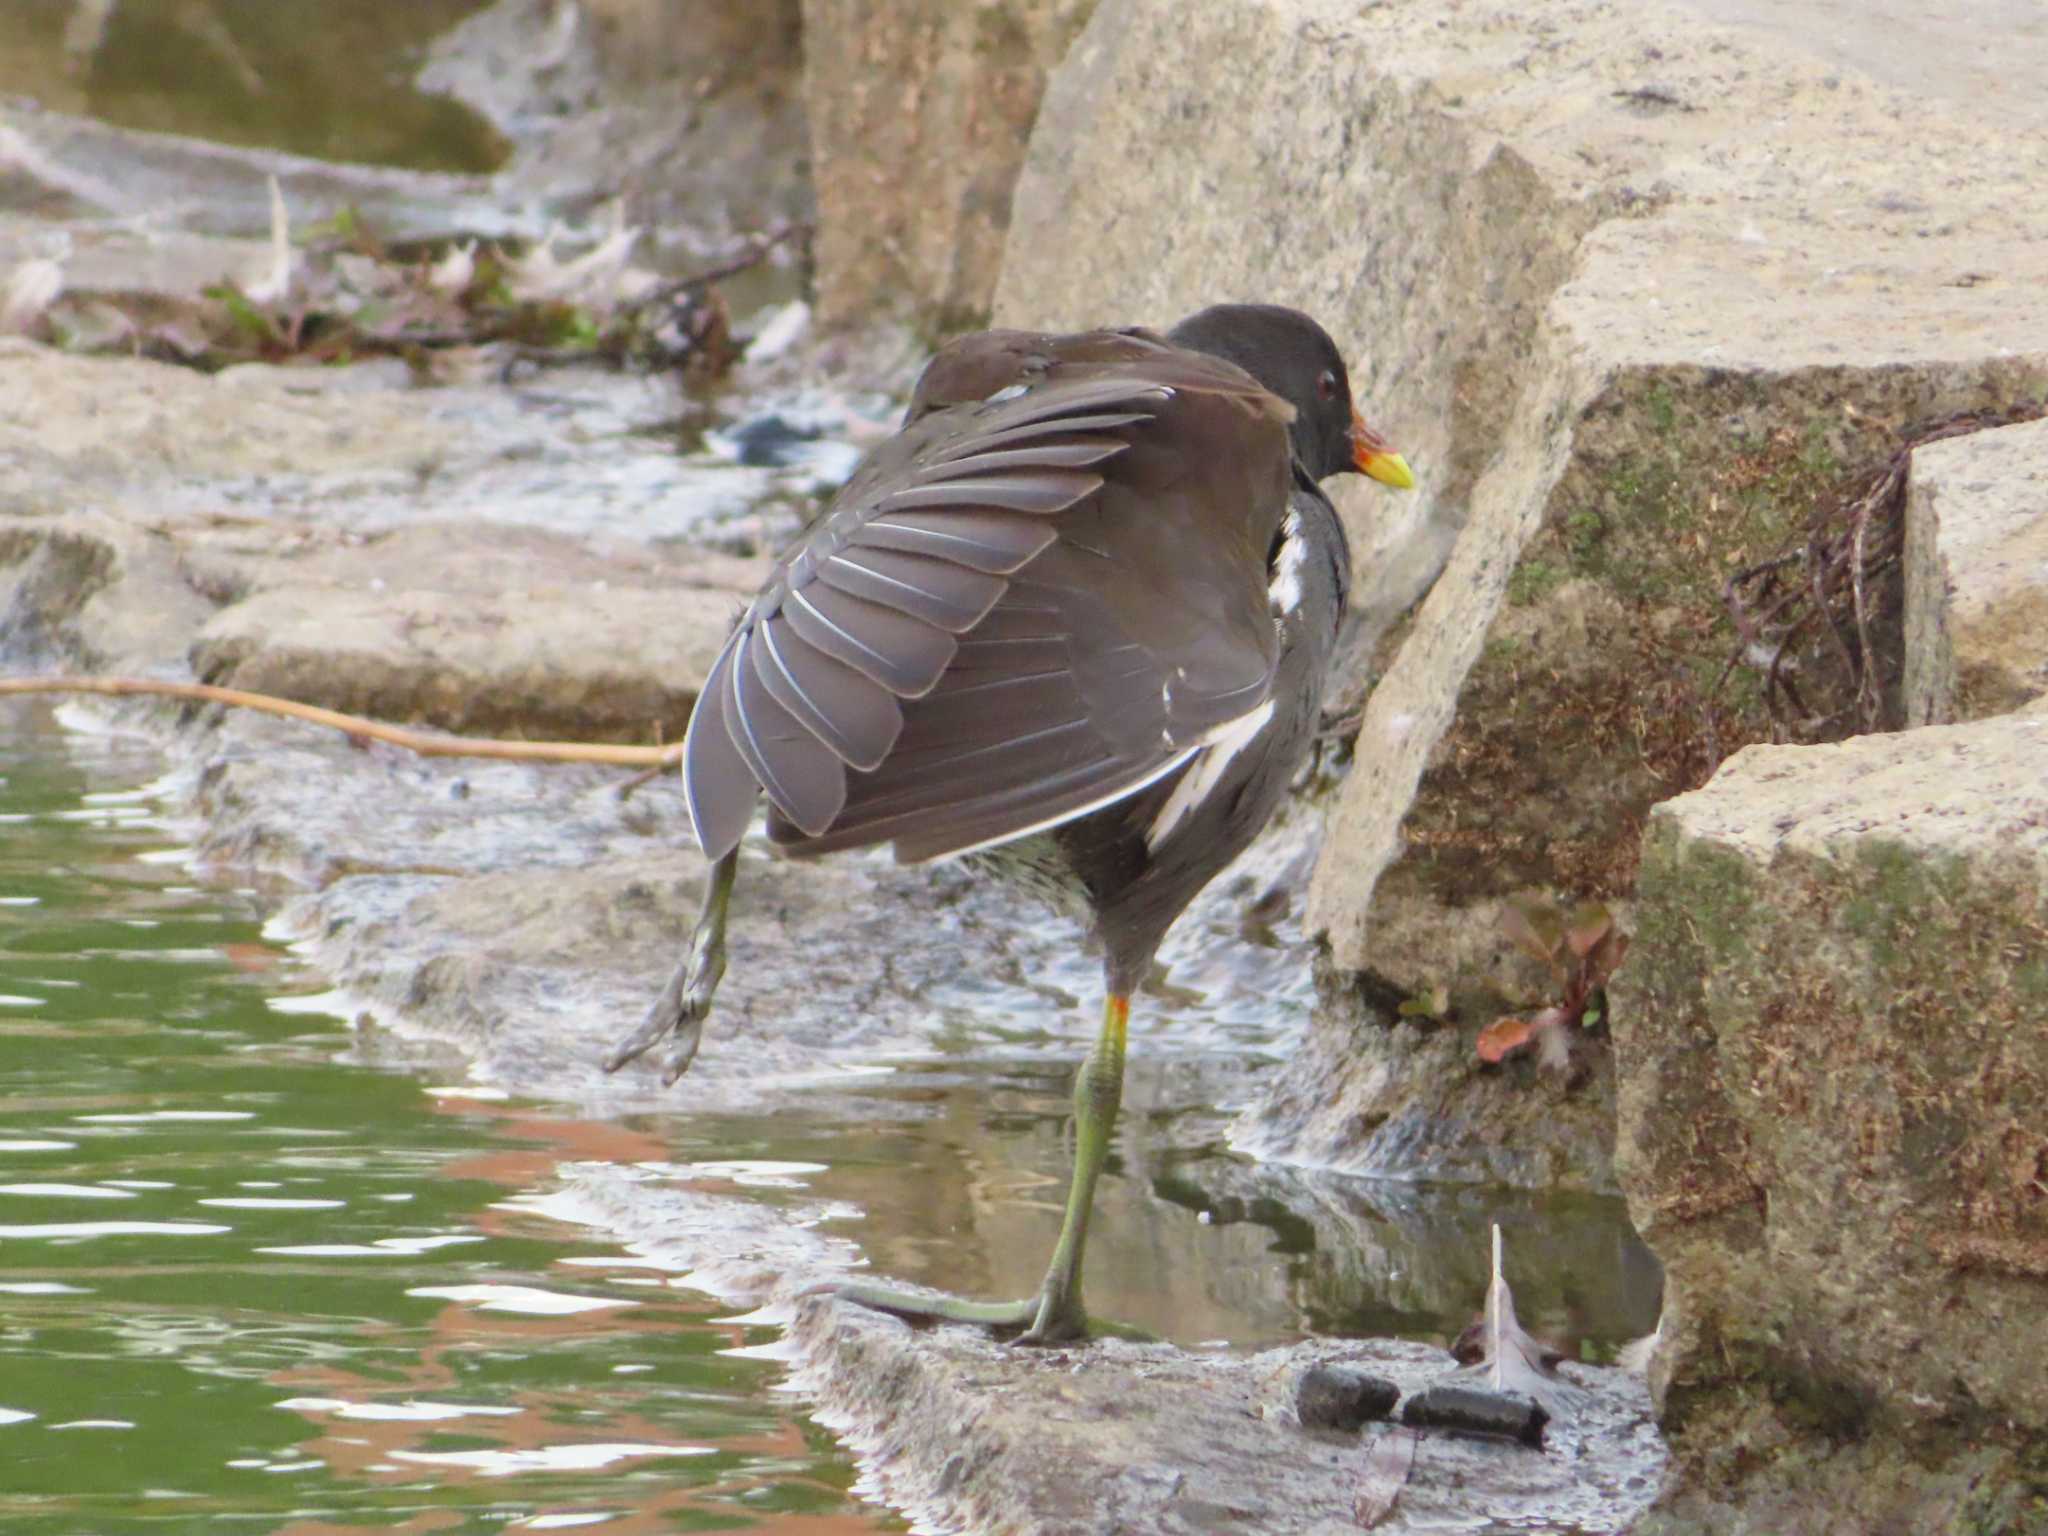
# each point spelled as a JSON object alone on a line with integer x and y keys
{"x": 331, "y": 81}
{"x": 241, "y": 1280}
{"x": 962, "y": 1187}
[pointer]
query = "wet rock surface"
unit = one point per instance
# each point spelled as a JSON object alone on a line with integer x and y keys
{"x": 596, "y": 104}
{"x": 469, "y": 556}
{"x": 965, "y": 1434}
{"x": 83, "y": 172}
{"x": 1136, "y": 1437}
{"x": 534, "y": 635}
{"x": 686, "y": 113}
{"x": 1414, "y": 1101}
{"x": 1833, "y": 1040}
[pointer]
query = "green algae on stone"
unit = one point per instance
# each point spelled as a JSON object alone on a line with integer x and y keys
{"x": 1613, "y": 678}
{"x": 1832, "y": 1048}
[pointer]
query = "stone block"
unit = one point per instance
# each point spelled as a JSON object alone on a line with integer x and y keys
{"x": 485, "y": 631}
{"x": 1977, "y": 575}
{"x": 1831, "y": 1042}
{"x": 919, "y": 113}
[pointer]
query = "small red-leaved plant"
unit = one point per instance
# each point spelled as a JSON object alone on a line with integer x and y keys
{"x": 1582, "y": 949}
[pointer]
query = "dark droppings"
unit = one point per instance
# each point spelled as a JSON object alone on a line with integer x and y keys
{"x": 1476, "y": 1411}
{"x": 1342, "y": 1397}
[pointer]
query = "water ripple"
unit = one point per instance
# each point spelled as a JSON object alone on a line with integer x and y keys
{"x": 415, "y": 1321}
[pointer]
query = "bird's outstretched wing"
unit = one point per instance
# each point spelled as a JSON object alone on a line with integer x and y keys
{"x": 1018, "y": 609}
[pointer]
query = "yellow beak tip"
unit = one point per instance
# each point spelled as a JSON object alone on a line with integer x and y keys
{"x": 1391, "y": 469}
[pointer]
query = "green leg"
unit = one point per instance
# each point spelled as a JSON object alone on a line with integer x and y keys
{"x": 1055, "y": 1315}
{"x": 1098, "y": 1095}
{"x": 686, "y": 1000}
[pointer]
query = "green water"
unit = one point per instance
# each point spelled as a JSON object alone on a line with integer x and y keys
{"x": 315, "y": 78}
{"x": 249, "y": 1284}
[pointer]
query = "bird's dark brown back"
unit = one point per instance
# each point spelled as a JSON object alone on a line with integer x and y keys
{"x": 1040, "y": 596}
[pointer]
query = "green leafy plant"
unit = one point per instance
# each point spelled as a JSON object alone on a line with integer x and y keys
{"x": 1581, "y": 949}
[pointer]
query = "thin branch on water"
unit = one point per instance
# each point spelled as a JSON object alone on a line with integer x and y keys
{"x": 423, "y": 743}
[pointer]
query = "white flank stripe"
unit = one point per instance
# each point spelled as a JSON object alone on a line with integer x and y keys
{"x": 1222, "y": 744}
{"x": 1121, "y": 792}
{"x": 1285, "y": 590}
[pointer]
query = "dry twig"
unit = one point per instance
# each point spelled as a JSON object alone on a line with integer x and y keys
{"x": 424, "y": 743}
{"x": 1852, "y": 547}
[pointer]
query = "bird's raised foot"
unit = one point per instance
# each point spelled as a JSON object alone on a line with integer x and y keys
{"x": 680, "y": 1012}
{"x": 1042, "y": 1319}
{"x": 685, "y": 1002}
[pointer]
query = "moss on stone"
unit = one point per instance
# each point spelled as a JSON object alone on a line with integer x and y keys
{"x": 1832, "y": 1061}
{"x": 1614, "y": 677}
{"x": 1533, "y": 580}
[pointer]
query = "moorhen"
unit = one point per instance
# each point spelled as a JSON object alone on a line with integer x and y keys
{"x": 1071, "y": 624}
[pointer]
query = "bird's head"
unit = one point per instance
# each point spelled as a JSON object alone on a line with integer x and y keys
{"x": 1294, "y": 357}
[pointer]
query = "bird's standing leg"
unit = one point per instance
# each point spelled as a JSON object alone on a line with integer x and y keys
{"x": 686, "y": 1000}
{"x": 1055, "y": 1315}
{"x": 1098, "y": 1095}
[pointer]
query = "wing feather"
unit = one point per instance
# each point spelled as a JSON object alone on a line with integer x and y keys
{"x": 991, "y": 542}
{"x": 718, "y": 787}
{"x": 849, "y": 712}
{"x": 899, "y": 652}
{"x": 1040, "y": 452}
{"x": 940, "y": 593}
{"x": 1009, "y": 438}
{"x": 803, "y": 778}
{"x": 1039, "y": 491}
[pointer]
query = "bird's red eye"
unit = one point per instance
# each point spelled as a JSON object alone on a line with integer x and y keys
{"x": 1326, "y": 386}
